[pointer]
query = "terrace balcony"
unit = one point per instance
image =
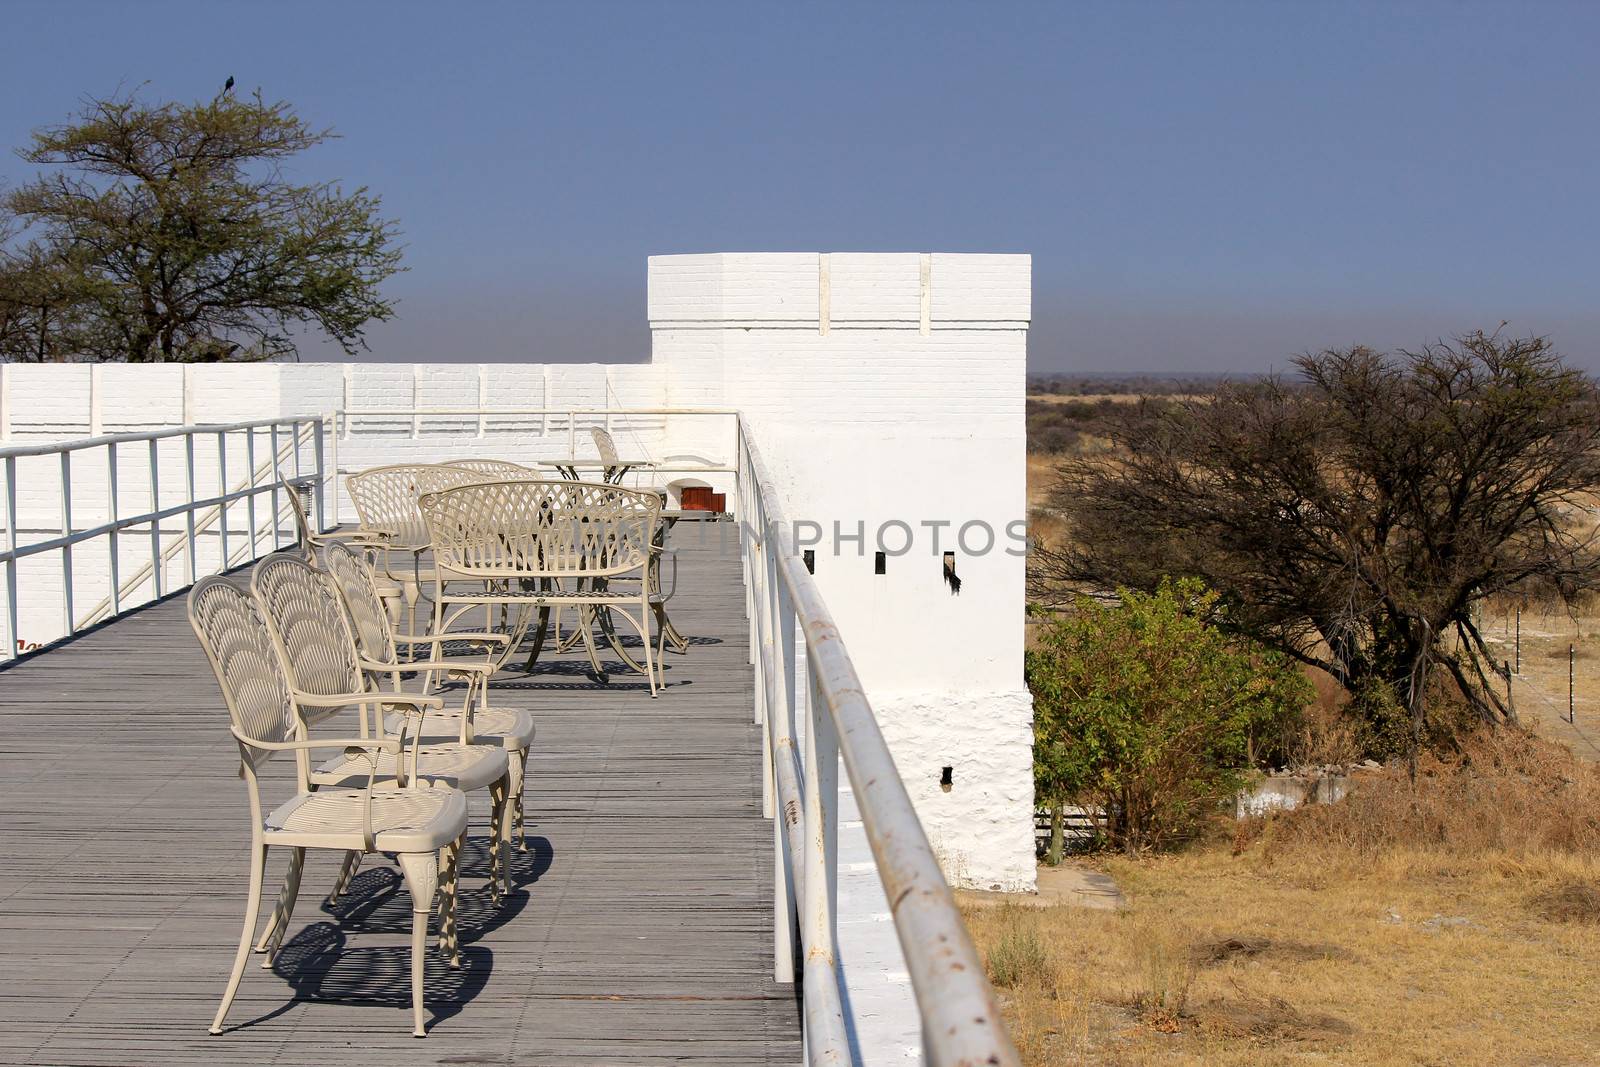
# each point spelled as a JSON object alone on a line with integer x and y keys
{"x": 750, "y": 868}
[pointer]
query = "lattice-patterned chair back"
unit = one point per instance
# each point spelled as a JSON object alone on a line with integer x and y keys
{"x": 540, "y": 529}
{"x": 448, "y": 476}
{"x": 239, "y": 647}
{"x": 499, "y": 468}
{"x": 386, "y": 502}
{"x": 308, "y": 626}
{"x": 370, "y": 622}
{"x": 604, "y": 444}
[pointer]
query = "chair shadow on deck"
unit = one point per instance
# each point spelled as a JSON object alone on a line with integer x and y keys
{"x": 322, "y": 967}
{"x": 577, "y": 674}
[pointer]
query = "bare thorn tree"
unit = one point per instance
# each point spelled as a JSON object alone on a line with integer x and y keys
{"x": 1357, "y": 516}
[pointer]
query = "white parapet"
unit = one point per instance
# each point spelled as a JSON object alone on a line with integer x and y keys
{"x": 887, "y": 392}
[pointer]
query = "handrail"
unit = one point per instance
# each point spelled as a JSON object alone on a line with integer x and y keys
{"x": 266, "y": 478}
{"x": 77, "y": 444}
{"x": 961, "y": 1019}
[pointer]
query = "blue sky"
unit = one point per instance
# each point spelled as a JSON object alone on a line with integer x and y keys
{"x": 1202, "y": 186}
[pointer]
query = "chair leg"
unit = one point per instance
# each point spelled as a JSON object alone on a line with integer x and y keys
{"x": 286, "y": 901}
{"x": 585, "y": 631}
{"x": 518, "y": 763}
{"x": 252, "y": 908}
{"x": 652, "y": 670}
{"x": 297, "y": 859}
{"x": 608, "y": 628}
{"x": 662, "y": 626}
{"x": 499, "y": 882}
{"x": 538, "y": 637}
{"x": 347, "y": 872}
{"x": 422, "y": 878}
{"x": 564, "y": 642}
{"x": 412, "y": 593}
{"x": 642, "y": 624}
{"x": 449, "y": 893}
{"x": 680, "y": 644}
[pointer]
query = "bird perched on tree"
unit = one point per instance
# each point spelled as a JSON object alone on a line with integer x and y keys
{"x": 227, "y": 86}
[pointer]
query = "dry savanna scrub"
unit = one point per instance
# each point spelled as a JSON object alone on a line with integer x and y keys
{"x": 1466, "y": 933}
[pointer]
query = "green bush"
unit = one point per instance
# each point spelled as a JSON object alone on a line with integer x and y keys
{"x": 1146, "y": 710}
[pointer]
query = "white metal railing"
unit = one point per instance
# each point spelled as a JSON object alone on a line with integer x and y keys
{"x": 570, "y": 417}
{"x": 961, "y": 1021}
{"x": 285, "y": 440}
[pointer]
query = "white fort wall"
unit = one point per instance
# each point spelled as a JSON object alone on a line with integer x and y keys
{"x": 882, "y": 390}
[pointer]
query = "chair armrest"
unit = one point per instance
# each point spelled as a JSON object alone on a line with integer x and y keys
{"x": 385, "y": 744}
{"x": 339, "y": 700}
{"x": 371, "y": 537}
{"x": 425, "y": 665}
{"x": 439, "y": 639}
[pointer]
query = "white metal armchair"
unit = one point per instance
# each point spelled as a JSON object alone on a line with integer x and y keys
{"x": 327, "y": 673}
{"x": 474, "y": 720}
{"x": 416, "y": 824}
{"x": 551, "y": 544}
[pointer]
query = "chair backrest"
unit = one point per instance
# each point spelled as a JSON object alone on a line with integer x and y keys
{"x": 352, "y": 577}
{"x": 308, "y": 626}
{"x": 239, "y": 647}
{"x": 386, "y": 502}
{"x": 449, "y": 475}
{"x": 500, "y": 468}
{"x": 540, "y": 529}
{"x": 604, "y": 444}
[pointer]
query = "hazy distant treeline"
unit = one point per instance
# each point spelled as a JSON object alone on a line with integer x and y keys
{"x": 1141, "y": 384}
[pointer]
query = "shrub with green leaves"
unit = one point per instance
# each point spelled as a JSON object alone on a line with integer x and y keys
{"x": 1144, "y": 709}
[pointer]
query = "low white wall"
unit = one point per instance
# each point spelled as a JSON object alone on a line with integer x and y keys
{"x": 881, "y": 389}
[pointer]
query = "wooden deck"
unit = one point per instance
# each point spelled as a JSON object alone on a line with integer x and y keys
{"x": 639, "y": 931}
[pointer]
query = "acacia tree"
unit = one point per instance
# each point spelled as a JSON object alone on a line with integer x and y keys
{"x": 1355, "y": 517}
{"x": 1147, "y": 711}
{"x": 170, "y": 232}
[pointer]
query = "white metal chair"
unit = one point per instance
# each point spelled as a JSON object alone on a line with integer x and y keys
{"x": 551, "y": 544}
{"x": 498, "y": 468}
{"x": 474, "y": 720}
{"x": 416, "y": 824}
{"x": 326, "y": 674}
{"x": 386, "y": 506}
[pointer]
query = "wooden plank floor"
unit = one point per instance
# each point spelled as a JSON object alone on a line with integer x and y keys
{"x": 639, "y": 931}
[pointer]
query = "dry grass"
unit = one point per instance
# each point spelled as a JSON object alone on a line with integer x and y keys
{"x": 1414, "y": 958}
{"x": 1510, "y": 794}
{"x": 1442, "y": 937}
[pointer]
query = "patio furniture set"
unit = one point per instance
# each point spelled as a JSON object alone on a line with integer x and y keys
{"x": 318, "y": 638}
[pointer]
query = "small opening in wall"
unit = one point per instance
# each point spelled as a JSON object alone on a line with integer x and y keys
{"x": 809, "y": 556}
{"x": 947, "y": 778}
{"x": 950, "y": 578}
{"x": 880, "y": 563}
